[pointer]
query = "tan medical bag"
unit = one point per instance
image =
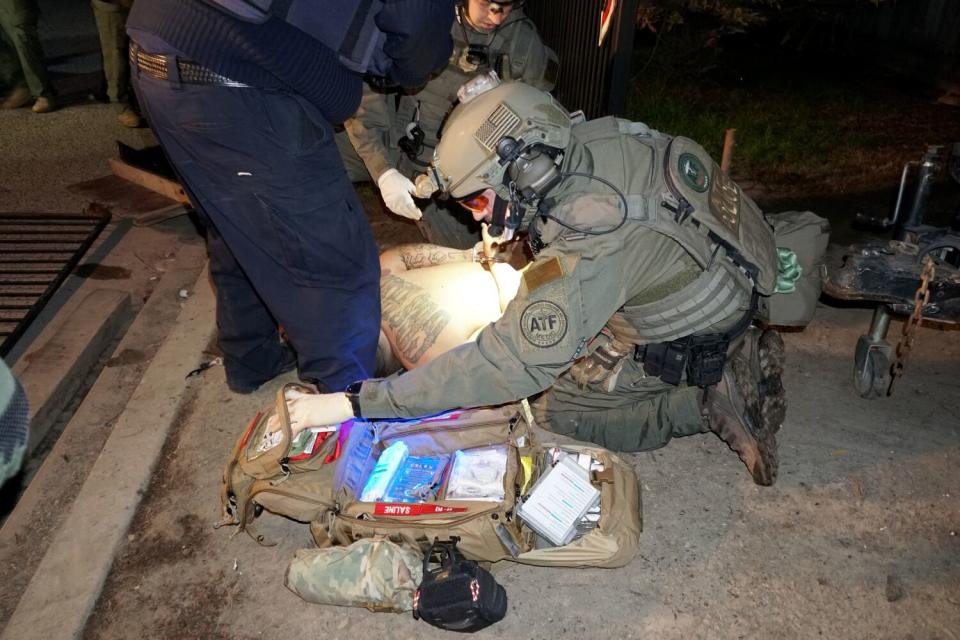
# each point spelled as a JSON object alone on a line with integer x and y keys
{"x": 324, "y": 488}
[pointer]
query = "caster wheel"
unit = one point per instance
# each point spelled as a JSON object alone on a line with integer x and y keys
{"x": 871, "y": 373}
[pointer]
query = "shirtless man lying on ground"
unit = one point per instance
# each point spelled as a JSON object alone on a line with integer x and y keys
{"x": 435, "y": 298}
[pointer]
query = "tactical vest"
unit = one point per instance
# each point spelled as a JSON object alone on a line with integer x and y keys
{"x": 679, "y": 192}
{"x": 510, "y": 50}
{"x": 345, "y": 26}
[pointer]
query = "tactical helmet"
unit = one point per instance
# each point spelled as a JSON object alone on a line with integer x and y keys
{"x": 466, "y": 159}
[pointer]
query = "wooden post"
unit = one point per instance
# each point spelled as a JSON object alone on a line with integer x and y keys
{"x": 728, "y": 141}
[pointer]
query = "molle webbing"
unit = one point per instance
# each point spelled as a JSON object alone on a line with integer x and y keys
{"x": 712, "y": 297}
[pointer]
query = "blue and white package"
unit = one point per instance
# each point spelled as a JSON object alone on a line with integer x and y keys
{"x": 416, "y": 480}
{"x": 384, "y": 471}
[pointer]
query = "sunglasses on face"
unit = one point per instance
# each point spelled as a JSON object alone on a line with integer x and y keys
{"x": 477, "y": 202}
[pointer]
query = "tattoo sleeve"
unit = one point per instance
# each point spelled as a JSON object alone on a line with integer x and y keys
{"x": 417, "y": 256}
{"x": 412, "y": 315}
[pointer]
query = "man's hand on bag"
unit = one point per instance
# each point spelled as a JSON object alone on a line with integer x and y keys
{"x": 396, "y": 190}
{"x": 312, "y": 410}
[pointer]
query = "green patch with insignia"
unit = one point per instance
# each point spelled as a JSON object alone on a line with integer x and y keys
{"x": 693, "y": 172}
{"x": 543, "y": 323}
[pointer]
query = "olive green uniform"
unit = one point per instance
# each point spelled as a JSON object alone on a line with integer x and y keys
{"x": 23, "y": 64}
{"x": 111, "y": 18}
{"x": 370, "y": 144}
{"x": 667, "y": 271}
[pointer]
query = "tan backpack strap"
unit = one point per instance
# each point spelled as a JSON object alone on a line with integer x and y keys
{"x": 602, "y": 477}
{"x": 226, "y": 487}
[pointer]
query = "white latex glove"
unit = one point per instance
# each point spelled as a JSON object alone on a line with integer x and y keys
{"x": 312, "y": 410}
{"x": 396, "y": 189}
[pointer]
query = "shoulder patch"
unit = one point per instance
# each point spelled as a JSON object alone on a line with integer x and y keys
{"x": 543, "y": 323}
{"x": 693, "y": 172}
{"x": 543, "y": 272}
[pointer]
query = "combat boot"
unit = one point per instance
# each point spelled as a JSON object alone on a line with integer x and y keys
{"x": 747, "y": 407}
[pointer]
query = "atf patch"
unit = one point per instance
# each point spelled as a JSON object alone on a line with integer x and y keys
{"x": 693, "y": 172}
{"x": 543, "y": 323}
{"x": 543, "y": 272}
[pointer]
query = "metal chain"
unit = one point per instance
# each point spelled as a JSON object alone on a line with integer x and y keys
{"x": 920, "y": 298}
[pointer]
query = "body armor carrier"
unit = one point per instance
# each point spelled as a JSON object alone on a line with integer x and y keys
{"x": 687, "y": 198}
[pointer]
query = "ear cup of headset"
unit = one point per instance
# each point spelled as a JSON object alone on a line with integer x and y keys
{"x": 534, "y": 174}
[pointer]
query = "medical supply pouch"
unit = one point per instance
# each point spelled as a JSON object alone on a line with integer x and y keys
{"x": 805, "y": 235}
{"x": 271, "y": 469}
{"x": 457, "y": 594}
{"x": 323, "y": 486}
{"x": 488, "y": 528}
{"x": 376, "y": 574}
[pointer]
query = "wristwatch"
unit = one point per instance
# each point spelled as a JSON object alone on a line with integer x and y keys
{"x": 353, "y": 395}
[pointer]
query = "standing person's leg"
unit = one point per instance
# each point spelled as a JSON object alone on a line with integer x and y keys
{"x": 269, "y": 179}
{"x": 111, "y": 18}
{"x": 11, "y": 76}
{"x": 19, "y": 20}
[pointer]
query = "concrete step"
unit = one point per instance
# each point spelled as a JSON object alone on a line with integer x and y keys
{"x": 67, "y": 582}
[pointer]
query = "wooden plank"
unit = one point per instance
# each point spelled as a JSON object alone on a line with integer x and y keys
{"x": 152, "y": 181}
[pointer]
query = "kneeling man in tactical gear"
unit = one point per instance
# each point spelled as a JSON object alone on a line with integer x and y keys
{"x": 636, "y": 321}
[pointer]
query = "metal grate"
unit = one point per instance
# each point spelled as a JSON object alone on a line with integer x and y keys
{"x": 592, "y": 78}
{"x": 37, "y": 252}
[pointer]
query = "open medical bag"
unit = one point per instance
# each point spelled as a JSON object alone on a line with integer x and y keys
{"x": 325, "y": 487}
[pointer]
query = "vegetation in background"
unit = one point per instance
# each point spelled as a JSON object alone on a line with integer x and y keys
{"x": 770, "y": 69}
{"x": 781, "y": 126}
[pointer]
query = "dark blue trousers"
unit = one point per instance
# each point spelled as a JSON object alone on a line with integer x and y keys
{"x": 288, "y": 240}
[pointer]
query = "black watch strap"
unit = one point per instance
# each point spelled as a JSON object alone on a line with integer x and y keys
{"x": 353, "y": 395}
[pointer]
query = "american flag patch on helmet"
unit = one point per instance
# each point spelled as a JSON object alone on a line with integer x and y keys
{"x": 498, "y": 124}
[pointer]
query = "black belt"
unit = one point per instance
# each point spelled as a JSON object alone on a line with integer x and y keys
{"x": 160, "y": 66}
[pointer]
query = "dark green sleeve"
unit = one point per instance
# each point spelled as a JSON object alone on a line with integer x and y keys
{"x": 565, "y": 299}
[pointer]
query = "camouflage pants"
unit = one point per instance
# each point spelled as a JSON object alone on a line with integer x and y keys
{"x": 641, "y": 413}
{"x": 23, "y": 63}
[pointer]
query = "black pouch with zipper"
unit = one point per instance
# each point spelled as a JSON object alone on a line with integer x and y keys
{"x": 457, "y": 594}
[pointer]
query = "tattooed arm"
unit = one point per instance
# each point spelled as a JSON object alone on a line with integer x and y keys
{"x": 407, "y": 257}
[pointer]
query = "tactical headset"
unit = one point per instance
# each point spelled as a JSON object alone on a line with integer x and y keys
{"x": 532, "y": 171}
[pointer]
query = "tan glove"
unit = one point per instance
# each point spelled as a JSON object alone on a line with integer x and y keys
{"x": 425, "y": 186}
{"x": 396, "y": 189}
{"x": 602, "y": 366}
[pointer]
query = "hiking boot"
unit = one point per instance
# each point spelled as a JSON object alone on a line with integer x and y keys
{"x": 19, "y": 97}
{"x": 44, "y": 105}
{"x": 129, "y": 118}
{"x": 747, "y": 407}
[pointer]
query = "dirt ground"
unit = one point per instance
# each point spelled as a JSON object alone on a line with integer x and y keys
{"x": 858, "y": 538}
